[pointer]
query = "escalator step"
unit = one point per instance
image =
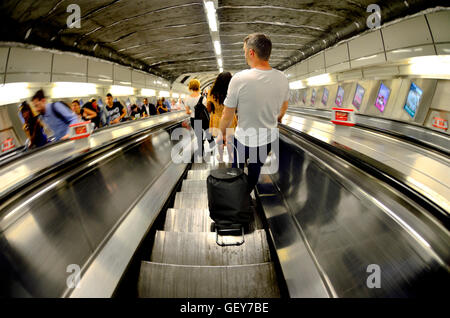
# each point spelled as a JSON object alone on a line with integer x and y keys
{"x": 158, "y": 280}
{"x": 193, "y": 186}
{"x": 200, "y": 201}
{"x": 197, "y": 174}
{"x": 188, "y": 220}
{"x": 201, "y": 249}
{"x": 191, "y": 200}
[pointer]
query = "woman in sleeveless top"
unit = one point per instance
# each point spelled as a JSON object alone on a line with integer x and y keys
{"x": 215, "y": 100}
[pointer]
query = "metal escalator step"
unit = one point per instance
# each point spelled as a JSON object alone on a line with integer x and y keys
{"x": 188, "y": 220}
{"x": 197, "y": 174}
{"x": 158, "y": 280}
{"x": 201, "y": 249}
{"x": 210, "y": 166}
{"x": 193, "y": 186}
{"x": 191, "y": 200}
{"x": 201, "y": 166}
{"x": 200, "y": 201}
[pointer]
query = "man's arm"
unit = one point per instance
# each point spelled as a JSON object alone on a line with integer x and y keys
{"x": 226, "y": 120}
{"x": 283, "y": 111}
{"x": 90, "y": 114}
{"x": 124, "y": 112}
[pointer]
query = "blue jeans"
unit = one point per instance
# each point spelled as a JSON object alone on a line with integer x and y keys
{"x": 257, "y": 156}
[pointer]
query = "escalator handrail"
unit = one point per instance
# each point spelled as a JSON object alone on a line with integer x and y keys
{"x": 326, "y": 114}
{"x": 42, "y": 176}
{"x": 380, "y": 171}
{"x": 104, "y": 137}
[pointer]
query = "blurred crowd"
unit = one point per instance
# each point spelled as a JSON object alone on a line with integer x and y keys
{"x": 45, "y": 122}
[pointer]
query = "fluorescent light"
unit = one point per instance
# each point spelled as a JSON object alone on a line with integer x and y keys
{"x": 296, "y": 85}
{"x": 117, "y": 90}
{"x": 175, "y": 95}
{"x": 220, "y": 62}
{"x": 183, "y": 96}
{"x": 217, "y": 47}
{"x": 435, "y": 65}
{"x": 322, "y": 79}
{"x": 69, "y": 89}
{"x": 13, "y": 93}
{"x": 221, "y": 69}
{"x": 148, "y": 92}
{"x": 164, "y": 94}
{"x": 211, "y": 14}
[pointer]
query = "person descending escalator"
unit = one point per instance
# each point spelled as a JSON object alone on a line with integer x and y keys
{"x": 260, "y": 95}
{"x": 195, "y": 105}
{"x": 216, "y": 97}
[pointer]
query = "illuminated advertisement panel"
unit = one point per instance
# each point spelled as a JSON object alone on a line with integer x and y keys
{"x": 359, "y": 95}
{"x": 413, "y": 100}
{"x": 382, "y": 97}
{"x": 340, "y": 96}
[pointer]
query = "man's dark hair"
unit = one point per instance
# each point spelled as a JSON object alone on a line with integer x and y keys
{"x": 39, "y": 95}
{"x": 261, "y": 44}
{"x": 109, "y": 95}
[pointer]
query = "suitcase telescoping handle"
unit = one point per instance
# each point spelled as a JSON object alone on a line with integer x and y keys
{"x": 230, "y": 230}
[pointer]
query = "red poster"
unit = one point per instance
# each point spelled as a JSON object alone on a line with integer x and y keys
{"x": 341, "y": 116}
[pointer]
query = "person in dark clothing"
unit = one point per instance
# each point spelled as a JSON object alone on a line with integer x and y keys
{"x": 91, "y": 112}
{"x": 115, "y": 111}
{"x": 33, "y": 127}
{"x": 136, "y": 112}
{"x": 148, "y": 109}
{"x": 161, "y": 108}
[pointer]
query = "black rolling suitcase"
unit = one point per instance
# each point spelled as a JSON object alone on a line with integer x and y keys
{"x": 229, "y": 202}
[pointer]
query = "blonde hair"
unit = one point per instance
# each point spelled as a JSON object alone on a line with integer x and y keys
{"x": 194, "y": 85}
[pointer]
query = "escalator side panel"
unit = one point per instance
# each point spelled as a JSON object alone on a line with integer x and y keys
{"x": 347, "y": 233}
{"x": 69, "y": 222}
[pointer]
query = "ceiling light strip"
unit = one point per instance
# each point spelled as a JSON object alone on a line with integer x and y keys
{"x": 213, "y": 22}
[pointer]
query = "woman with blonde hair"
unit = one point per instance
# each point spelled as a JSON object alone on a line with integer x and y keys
{"x": 190, "y": 102}
{"x": 216, "y": 97}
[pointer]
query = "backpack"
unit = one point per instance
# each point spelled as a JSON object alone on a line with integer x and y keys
{"x": 201, "y": 113}
{"x": 58, "y": 114}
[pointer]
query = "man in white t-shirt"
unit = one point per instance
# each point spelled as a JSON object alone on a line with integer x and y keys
{"x": 260, "y": 95}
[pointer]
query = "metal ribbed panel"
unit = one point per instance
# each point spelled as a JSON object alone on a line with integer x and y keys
{"x": 201, "y": 249}
{"x": 193, "y": 186}
{"x": 187, "y": 262}
{"x": 198, "y": 174}
{"x": 181, "y": 281}
{"x": 188, "y": 220}
{"x": 191, "y": 200}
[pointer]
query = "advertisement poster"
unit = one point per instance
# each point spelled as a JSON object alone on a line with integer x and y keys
{"x": 382, "y": 97}
{"x": 325, "y": 96}
{"x": 305, "y": 92}
{"x": 313, "y": 96}
{"x": 340, "y": 96}
{"x": 413, "y": 100}
{"x": 359, "y": 95}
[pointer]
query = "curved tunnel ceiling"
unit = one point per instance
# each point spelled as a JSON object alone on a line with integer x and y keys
{"x": 171, "y": 37}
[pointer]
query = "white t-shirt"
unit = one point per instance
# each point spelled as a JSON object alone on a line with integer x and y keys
{"x": 192, "y": 101}
{"x": 258, "y": 96}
